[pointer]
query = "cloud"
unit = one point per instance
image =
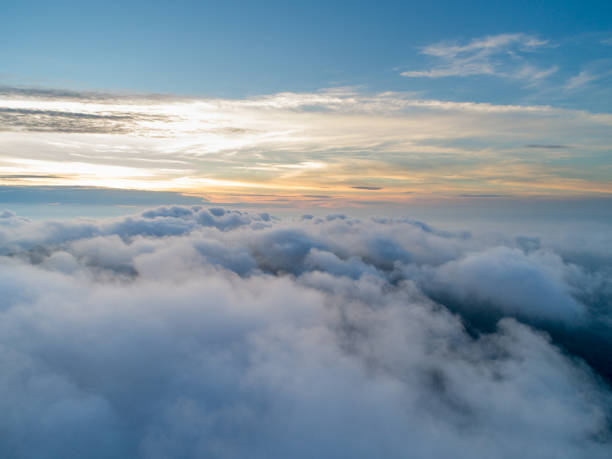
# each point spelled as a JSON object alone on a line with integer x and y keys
{"x": 580, "y": 80}
{"x": 482, "y": 196}
{"x": 518, "y": 284}
{"x": 496, "y": 55}
{"x": 545, "y": 146}
{"x": 89, "y": 196}
{"x": 67, "y": 122}
{"x": 186, "y": 331}
{"x": 29, "y": 176}
{"x": 294, "y": 145}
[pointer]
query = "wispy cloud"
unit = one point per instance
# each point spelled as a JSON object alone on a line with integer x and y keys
{"x": 309, "y": 144}
{"x": 545, "y": 146}
{"x": 497, "y": 55}
{"x": 369, "y": 188}
{"x": 580, "y": 80}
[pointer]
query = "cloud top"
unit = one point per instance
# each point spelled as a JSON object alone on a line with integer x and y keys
{"x": 186, "y": 331}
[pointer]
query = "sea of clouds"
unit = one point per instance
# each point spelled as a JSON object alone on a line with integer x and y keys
{"x": 199, "y": 332}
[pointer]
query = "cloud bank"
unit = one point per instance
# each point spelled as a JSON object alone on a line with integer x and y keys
{"x": 203, "y": 332}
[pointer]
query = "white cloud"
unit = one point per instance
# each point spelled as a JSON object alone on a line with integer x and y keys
{"x": 193, "y": 332}
{"x": 497, "y": 55}
{"x": 533, "y": 285}
{"x": 580, "y": 80}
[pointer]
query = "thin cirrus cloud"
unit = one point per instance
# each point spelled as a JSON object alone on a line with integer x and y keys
{"x": 320, "y": 143}
{"x": 579, "y": 81}
{"x": 504, "y": 55}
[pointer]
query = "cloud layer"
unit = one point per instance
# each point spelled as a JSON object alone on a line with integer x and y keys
{"x": 203, "y": 332}
{"x": 315, "y": 147}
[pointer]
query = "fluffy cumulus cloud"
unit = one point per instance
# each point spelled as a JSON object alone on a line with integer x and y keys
{"x": 197, "y": 332}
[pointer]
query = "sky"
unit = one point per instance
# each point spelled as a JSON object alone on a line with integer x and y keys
{"x": 306, "y": 229}
{"x": 320, "y": 104}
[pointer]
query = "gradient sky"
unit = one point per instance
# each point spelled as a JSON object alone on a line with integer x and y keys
{"x": 321, "y": 103}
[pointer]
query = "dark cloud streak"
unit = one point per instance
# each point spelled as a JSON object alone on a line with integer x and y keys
{"x": 545, "y": 146}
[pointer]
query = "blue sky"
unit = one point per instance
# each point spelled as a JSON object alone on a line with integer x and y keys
{"x": 233, "y": 49}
